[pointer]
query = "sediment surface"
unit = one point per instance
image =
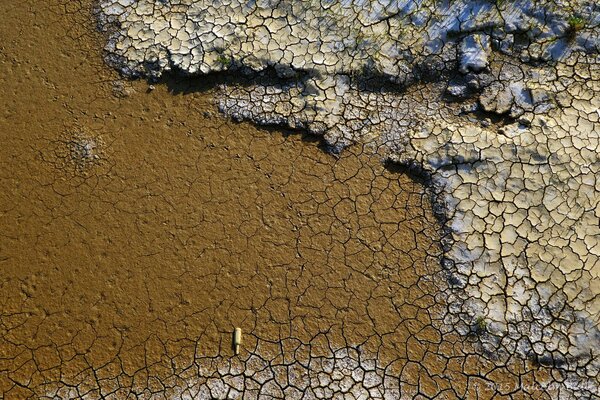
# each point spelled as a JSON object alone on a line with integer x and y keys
{"x": 495, "y": 102}
{"x": 435, "y": 236}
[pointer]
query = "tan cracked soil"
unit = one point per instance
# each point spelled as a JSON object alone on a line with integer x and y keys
{"x": 139, "y": 227}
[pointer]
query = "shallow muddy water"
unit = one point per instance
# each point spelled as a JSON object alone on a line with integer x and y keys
{"x": 139, "y": 227}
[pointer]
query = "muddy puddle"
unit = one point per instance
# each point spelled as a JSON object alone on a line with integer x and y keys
{"x": 139, "y": 227}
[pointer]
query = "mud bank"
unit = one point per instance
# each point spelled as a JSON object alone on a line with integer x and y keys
{"x": 139, "y": 227}
{"x": 496, "y": 101}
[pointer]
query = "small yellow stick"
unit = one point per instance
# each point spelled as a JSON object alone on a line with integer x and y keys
{"x": 237, "y": 340}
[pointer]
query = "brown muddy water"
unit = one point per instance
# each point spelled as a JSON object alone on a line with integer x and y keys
{"x": 139, "y": 227}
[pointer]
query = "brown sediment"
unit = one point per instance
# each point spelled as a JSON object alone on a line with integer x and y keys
{"x": 139, "y": 228}
{"x": 176, "y": 225}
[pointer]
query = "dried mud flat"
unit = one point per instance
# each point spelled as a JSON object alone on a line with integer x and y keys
{"x": 139, "y": 227}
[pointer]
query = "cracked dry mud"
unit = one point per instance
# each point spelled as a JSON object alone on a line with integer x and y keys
{"x": 448, "y": 248}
